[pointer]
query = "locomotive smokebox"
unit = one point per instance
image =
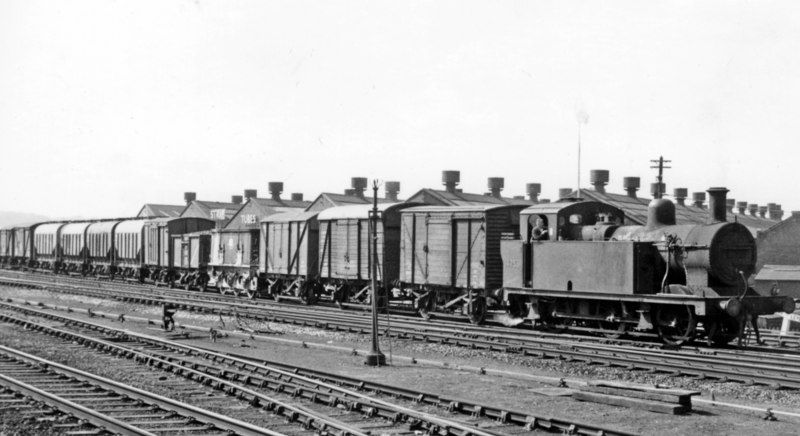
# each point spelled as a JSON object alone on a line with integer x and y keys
{"x": 631, "y": 185}
{"x": 450, "y": 179}
{"x": 189, "y": 197}
{"x": 496, "y": 184}
{"x": 392, "y": 188}
{"x": 717, "y": 211}
{"x": 250, "y": 193}
{"x": 599, "y": 179}
{"x": 533, "y": 190}
{"x": 236, "y": 199}
{"x": 660, "y": 213}
{"x": 359, "y": 185}
{"x": 680, "y": 195}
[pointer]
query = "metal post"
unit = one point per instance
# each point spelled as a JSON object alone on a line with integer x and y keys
{"x": 375, "y": 357}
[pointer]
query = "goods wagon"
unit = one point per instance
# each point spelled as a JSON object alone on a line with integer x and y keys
{"x": 46, "y": 253}
{"x": 163, "y": 245}
{"x": 74, "y": 255}
{"x": 290, "y": 243}
{"x": 191, "y": 253}
{"x": 6, "y": 245}
{"x": 128, "y": 249}
{"x": 450, "y": 256}
{"x": 346, "y": 250}
{"x": 100, "y": 248}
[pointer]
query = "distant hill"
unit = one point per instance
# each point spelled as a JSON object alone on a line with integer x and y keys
{"x": 13, "y": 218}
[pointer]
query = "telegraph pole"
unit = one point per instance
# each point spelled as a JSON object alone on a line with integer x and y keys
{"x": 375, "y": 357}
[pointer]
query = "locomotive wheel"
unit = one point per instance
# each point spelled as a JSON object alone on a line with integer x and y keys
{"x": 477, "y": 314}
{"x": 612, "y": 330}
{"x": 675, "y": 325}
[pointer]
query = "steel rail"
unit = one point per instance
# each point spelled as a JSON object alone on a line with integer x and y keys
{"x": 328, "y": 383}
{"x": 130, "y": 392}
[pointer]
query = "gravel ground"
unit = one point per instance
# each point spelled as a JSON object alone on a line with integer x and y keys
{"x": 500, "y": 390}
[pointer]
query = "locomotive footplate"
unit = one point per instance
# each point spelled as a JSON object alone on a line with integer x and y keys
{"x": 702, "y": 305}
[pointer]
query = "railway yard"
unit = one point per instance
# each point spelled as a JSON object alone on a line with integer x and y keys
{"x": 239, "y": 366}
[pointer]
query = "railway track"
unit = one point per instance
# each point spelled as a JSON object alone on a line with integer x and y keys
{"x": 386, "y": 408}
{"x": 103, "y": 405}
{"x": 755, "y": 366}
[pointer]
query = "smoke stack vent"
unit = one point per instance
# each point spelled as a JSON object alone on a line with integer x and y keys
{"x": 762, "y": 211}
{"x": 631, "y": 185}
{"x": 297, "y": 196}
{"x": 544, "y": 201}
{"x": 730, "y": 203}
{"x": 350, "y": 192}
{"x": 717, "y": 204}
{"x": 236, "y": 199}
{"x": 359, "y": 184}
{"x": 250, "y": 193}
{"x": 680, "y": 195}
{"x": 496, "y": 184}
{"x": 698, "y": 198}
{"x": 657, "y": 190}
{"x": 741, "y": 206}
{"x": 519, "y": 197}
{"x": 189, "y": 197}
{"x": 275, "y": 190}
{"x": 451, "y": 179}
{"x": 564, "y": 193}
{"x": 599, "y": 179}
{"x": 753, "y": 209}
{"x": 392, "y": 188}
{"x": 533, "y": 190}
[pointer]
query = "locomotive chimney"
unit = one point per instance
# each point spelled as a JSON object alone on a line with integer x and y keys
{"x": 297, "y": 196}
{"x": 598, "y": 179}
{"x": 717, "y": 211}
{"x": 762, "y": 211}
{"x": 660, "y": 213}
{"x": 533, "y": 190}
{"x": 698, "y": 198}
{"x": 359, "y": 185}
{"x": 631, "y": 185}
{"x": 730, "y": 203}
{"x": 753, "y": 208}
{"x": 250, "y": 193}
{"x": 496, "y": 184}
{"x": 741, "y": 206}
{"x": 189, "y": 197}
{"x": 392, "y": 188}
{"x": 657, "y": 188}
{"x": 236, "y": 199}
{"x": 275, "y": 190}
{"x": 564, "y": 192}
{"x": 680, "y": 195}
{"x": 450, "y": 179}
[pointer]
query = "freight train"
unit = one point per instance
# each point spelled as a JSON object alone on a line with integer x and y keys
{"x": 553, "y": 265}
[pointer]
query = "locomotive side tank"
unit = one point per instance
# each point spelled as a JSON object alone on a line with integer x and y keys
{"x": 659, "y": 276}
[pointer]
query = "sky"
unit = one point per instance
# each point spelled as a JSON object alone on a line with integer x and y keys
{"x": 106, "y": 105}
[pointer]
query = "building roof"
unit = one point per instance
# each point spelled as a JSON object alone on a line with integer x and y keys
{"x": 161, "y": 210}
{"x": 328, "y": 199}
{"x": 257, "y": 209}
{"x": 202, "y": 209}
{"x": 436, "y": 197}
{"x": 636, "y": 211}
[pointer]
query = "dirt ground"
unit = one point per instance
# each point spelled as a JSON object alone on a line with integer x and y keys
{"x": 517, "y": 392}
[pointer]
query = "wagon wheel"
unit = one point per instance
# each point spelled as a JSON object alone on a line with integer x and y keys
{"x": 251, "y": 290}
{"x": 306, "y": 293}
{"x": 555, "y": 325}
{"x": 675, "y": 325}
{"x": 477, "y": 310}
{"x": 612, "y": 329}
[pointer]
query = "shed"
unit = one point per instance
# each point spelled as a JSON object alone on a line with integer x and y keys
{"x": 786, "y": 277}
{"x": 160, "y": 210}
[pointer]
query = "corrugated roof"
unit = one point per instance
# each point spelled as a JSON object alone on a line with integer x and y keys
{"x": 75, "y": 228}
{"x": 101, "y": 227}
{"x": 130, "y": 226}
{"x": 779, "y": 273}
{"x": 445, "y": 198}
{"x": 161, "y": 210}
{"x": 45, "y": 229}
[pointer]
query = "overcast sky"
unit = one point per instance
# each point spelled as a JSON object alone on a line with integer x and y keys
{"x": 106, "y": 105}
